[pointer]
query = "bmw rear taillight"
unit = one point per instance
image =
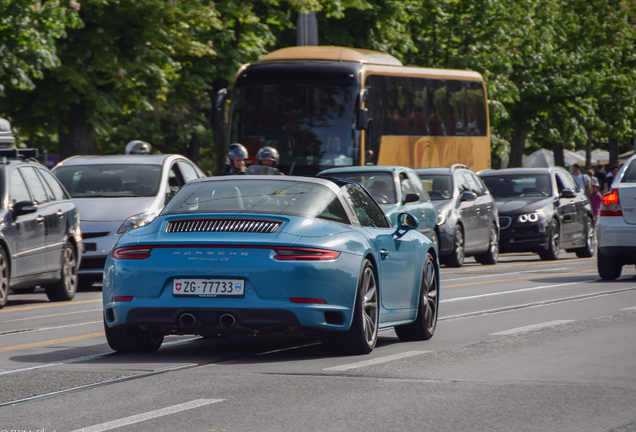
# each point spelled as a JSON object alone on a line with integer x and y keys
{"x": 611, "y": 205}
{"x": 304, "y": 254}
{"x": 132, "y": 252}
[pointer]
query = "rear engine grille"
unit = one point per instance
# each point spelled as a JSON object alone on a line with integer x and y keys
{"x": 224, "y": 225}
{"x": 504, "y": 222}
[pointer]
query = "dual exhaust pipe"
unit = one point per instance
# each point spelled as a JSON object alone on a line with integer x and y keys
{"x": 226, "y": 320}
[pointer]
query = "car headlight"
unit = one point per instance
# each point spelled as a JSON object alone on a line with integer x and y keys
{"x": 531, "y": 217}
{"x": 136, "y": 221}
{"x": 441, "y": 217}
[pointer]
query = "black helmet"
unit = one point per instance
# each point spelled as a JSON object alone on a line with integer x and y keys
{"x": 138, "y": 147}
{"x": 268, "y": 153}
{"x": 236, "y": 151}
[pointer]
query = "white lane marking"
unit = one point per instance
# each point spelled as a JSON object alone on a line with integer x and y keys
{"x": 506, "y": 274}
{"x": 530, "y": 328}
{"x": 376, "y": 361}
{"x": 514, "y": 291}
{"x": 149, "y": 415}
{"x": 19, "y": 332}
{"x": 630, "y": 308}
{"x": 49, "y": 316}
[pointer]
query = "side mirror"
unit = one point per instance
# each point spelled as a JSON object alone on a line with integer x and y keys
{"x": 219, "y": 104}
{"x": 567, "y": 193}
{"x": 24, "y": 208}
{"x": 468, "y": 196}
{"x": 405, "y": 222}
{"x": 412, "y": 197}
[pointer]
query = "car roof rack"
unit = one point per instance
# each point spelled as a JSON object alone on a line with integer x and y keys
{"x": 20, "y": 154}
{"x": 459, "y": 166}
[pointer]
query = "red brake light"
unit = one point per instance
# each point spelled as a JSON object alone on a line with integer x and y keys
{"x": 611, "y": 205}
{"x": 307, "y": 300}
{"x": 132, "y": 252}
{"x": 122, "y": 299}
{"x": 304, "y": 254}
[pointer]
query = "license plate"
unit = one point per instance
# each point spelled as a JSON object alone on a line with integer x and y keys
{"x": 208, "y": 287}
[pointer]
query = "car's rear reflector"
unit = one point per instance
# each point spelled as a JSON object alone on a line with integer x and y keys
{"x": 611, "y": 206}
{"x": 307, "y": 300}
{"x": 132, "y": 252}
{"x": 304, "y": 254}
{"x": 122, "y": 298}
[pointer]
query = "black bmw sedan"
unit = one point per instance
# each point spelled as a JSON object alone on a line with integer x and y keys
{"x": 541, "y": 210}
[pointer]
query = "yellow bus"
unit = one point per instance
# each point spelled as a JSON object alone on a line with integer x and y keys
{"x": 325, "y": 106}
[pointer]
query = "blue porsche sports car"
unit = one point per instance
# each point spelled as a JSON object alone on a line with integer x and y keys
{"x": 259, "y": 254}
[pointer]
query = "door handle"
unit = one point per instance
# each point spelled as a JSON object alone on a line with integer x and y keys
{"x": 384, "y": 254}
{"x": 39, "y": 219}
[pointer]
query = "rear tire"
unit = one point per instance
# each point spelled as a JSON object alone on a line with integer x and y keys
{"x": 490, "y": 257}
{"x": 587, "y": 251}
{"x": 608, "y": 268}
{"x": 133, "y": 339}
{"x": 363, "y": 334}
{"x": 66, "y": 287}
{"x": 554, "y": 243}
{"x": 425, "y": 322}
{"x": 456, "y": 258}
{"x": 4, "y": 278}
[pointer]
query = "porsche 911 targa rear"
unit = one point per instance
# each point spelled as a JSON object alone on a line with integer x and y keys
{"x": 260, "y": 254}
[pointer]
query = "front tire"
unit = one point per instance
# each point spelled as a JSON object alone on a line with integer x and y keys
{"x": 456, "y": 258}
{"x": 492, "y": 254}
{"x": 425, "y": 322}
{"x": 554, "y": 243}
{"x": 133, "y": 339}
{"x": 363, "y": 334}
{"x": 608, "y": 268}
{"x": 4, "y": 278}
{"x": 66, "y": 287}
{"x": 587, "y": 251}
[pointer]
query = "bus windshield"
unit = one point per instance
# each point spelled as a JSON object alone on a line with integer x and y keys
{"x": 310, "y": 124}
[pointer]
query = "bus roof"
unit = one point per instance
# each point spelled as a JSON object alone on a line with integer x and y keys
{"x": 332, "y": 53}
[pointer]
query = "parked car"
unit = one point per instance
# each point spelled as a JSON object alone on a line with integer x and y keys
{"x": 258, "y": 254}
{"x": 541, "y": 210}
{"x": 116, "y": 193}
{"x": 616, "y": 232}
{"x": 467, "y": 217}
{"x": 40, "y": 238}
{"x": 396, "y": 190}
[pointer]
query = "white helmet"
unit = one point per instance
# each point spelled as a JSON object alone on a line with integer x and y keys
{"x": 138, "y": 147}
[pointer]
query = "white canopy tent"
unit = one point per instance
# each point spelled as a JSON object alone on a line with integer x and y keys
{"x": 598, "y": 156}
{"x": 543, "y": 158}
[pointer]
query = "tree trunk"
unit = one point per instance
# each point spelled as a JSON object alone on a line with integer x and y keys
{"x": 588, "y": 153}
{"x": 557, "y": 149}
{"x": 612, "y": 147}
{"x": 219, "y": 134}
{"x": 517, "y": 146}
{"x": 194, "y": 149}
{"x": 78, "y": 138}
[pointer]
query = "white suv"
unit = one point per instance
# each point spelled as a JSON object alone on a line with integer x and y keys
{"x": 617, "y": 225}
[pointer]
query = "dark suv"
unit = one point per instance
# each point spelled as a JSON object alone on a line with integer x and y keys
{"x": 467, "y": 218}
{"x": 541, "y": 210}
{"x": 40, "y": 238}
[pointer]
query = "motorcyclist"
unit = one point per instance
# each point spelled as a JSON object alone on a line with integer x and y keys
{"x": 138, "y": 147}
{"x": 236, "y": 156}
{"x": 267, "y": 159}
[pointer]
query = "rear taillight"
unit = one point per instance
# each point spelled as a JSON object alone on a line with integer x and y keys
{"x": 611, "y": 205}
{"x": 304, "y": 254}
{"x": 132, "y": 252}
{"x": 122, "y": 299}
{"x": 308, "y": 300}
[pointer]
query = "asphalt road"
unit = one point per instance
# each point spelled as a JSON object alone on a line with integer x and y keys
{"x": 524, "y": 345}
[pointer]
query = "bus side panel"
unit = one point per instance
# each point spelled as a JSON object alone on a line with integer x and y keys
{"x": 433, "y": 152}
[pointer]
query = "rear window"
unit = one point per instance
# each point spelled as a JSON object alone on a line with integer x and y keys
{"x": 112, "y": 180}
{"x": 630, "y": 173}
{"x": 258, "y": 196}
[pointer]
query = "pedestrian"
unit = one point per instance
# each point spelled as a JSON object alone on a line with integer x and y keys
{"x": 595, "y": 199}
{"x": 600, "y": 175}
{"x": 236, "y": 156}
{"x": 607, "y": 186}
{"x": 583, "y": 180}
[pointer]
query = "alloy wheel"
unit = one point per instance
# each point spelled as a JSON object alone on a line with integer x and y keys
{"x": 370, "y": 307}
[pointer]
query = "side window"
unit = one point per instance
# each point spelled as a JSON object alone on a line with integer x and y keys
{"x": 335, "y": 212}
{"x": 368, "y": 213}
{"x": 48, "y": 189}
{"x": 473, "y": 184}
{"x": 35, "y": 185}
{"x": 406, "y": 185}
{"x": 462, "y": 183}
{"x": 188, "y": 171}
{"x": 18, "y": 191}
{"x": 481, "y": 184}
{"x": 55, "y": 185}
{"x": 419, "y": 187}
{"x": 568, "y": 182}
